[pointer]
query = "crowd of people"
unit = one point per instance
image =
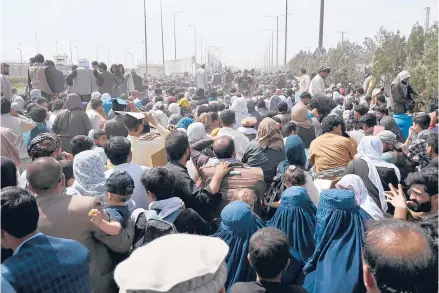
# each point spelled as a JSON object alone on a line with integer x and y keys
{"x": 216, "y": 182}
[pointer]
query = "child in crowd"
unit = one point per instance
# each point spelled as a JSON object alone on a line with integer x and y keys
{"x": 120, "y": 186}
{"x": 100, "y": 139}
{"x": 67, "y": 168}
{"x": 246, "y": 195}
{"x": 38, "y": 115}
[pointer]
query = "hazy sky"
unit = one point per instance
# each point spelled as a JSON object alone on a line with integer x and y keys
{"x": 238, "y": 26}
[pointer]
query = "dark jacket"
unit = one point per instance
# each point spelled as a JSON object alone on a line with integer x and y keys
{"x": 389, "y": 124}
{"x": 267, "y": 160}
{"x": 57, "y": 80}
{"x": 107, "y": 82}
{"x": 306, "y": 134}
{"x": 190, "y": 222}
{"x": 199, "y": 199}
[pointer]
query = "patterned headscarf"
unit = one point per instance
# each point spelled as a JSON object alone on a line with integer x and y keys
{"x": 43, "y": 145}
{"x": 269, "y": 135}
{"x": 89, "y": 173}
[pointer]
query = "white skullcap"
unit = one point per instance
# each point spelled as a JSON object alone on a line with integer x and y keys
{"x": 175, "y": 263}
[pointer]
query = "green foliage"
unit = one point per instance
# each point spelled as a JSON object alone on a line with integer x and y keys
{"x": 389, "y": 53}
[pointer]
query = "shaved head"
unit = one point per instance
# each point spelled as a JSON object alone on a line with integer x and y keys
{"x": 224, "y": 147}
{"x": 44, "y": 173}
{"x": 400, "y": 256}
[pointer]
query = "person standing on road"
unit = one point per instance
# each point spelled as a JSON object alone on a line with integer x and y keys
{"x": 201, "y": 79}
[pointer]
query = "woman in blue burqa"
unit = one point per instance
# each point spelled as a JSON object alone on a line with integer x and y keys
{"x": 296, "y": 217}
{"x": 336, "y": 264}
{"x": 238, "y": 224}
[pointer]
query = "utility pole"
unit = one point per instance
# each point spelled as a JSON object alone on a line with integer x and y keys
{"x": 277, "y": 36}
{"x": 71, "y": 54}
{"x": 322, "y": 12}
{"x": 195, "y": 38}
{"x": 175, "y": 36}
{"x": 427, "y": 19}
{"x": 21, "y": 58}
{"x": 146, "y": 46}
{"x": 163, "y": 42}
{"x": 342, "y": 36}
{"x": 286, "y": 34}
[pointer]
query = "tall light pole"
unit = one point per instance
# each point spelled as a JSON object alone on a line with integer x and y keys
{"x": 77, "y": 51}
{"x": 195, "y": 38}
{"x": 322, "y": 13}
{"x": 272, "y": 46}
{"x": 21, "y": 57}
{"x": 56, "y": 49}
{"x": 71, "y": 54}
{"x": 286, "y": 34}
{"x": 175, "y": 36}
{"x": 163, "y": 42}
{"x": 145, "y": 41}
{"x": 277, "y": 36}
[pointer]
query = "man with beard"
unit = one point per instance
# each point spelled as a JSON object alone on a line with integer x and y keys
{"x": 423, "y": 200}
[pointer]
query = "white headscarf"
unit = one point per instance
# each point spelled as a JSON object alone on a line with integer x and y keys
{"x": 96, "y": 95}
{"x": 161, "y": 118}
{"x": 362, "y": 197}
{"x": 196, "y": 131}
{"x": 370, "y": 150}
{"x": 105, "y": 97}
{"x": 174, "y": 108}
{"x": 239, "y": 105}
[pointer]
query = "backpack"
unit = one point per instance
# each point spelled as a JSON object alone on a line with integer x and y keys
{"x": 148, "y": 226}
{"x": 274, "y": 194}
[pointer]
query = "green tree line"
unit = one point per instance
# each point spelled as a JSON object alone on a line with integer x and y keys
{"x": 388, "y": 53}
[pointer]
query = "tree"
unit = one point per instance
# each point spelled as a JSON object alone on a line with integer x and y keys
{"x": 390, "y": 56}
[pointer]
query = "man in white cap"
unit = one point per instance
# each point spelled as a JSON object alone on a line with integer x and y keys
{"x": 176, "y": 263}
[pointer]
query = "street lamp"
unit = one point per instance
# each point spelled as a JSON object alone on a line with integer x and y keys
{"x": 195, "y": 38}
{"x": 145, "y": 40}
{"x": 163, "y": 42}
{"x": 71, "y": 54}
{"x": 277, "y": 35}
{"x": 21, "y": 57}
{"x": 175, "y": 36}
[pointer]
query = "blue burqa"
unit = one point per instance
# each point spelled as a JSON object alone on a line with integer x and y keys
{"x": 336, "y": 264}
{"x": 296, "y": 217}
{"x": 294, "y": 153}
{"x": 238, "y": 224}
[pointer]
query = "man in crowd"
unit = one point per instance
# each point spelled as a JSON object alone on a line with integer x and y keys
{"x": 203, "y": 200}
{"x": 331, "y": 152}
{"x": 269, "y": 256}
{"x": 148, "y": 149}
{"x": 368, "y": 123}
{"x": 432, "y": 150}
{"x": 360, "y": 97}
{"x": 40, "y": 77}
{"x": 304, "y": 81}
{"x": 369, "y": 83}
{"x": 245, "y": 82}
{"x": 96, "y": 119}
{"x": 41, "y": 263}
{"x": 201, "y": 78}
{"x": 421, "y": 122}
{"x": 18, "y": 125}
{"x": 423, "y": 200}
{"x": 384, "y": 119}
{"x": 398, "y": 256}
{"x": 81, "y": 81}
{"x": 317, "y": 86}
{"x": 56, "y": 76}
{"x": 6, "y": 89}
{"x": 106, "y": 80}
{"x": 228, "y": 121}
{"x": 67, "y": 216}
{"x": 118, "y": 151}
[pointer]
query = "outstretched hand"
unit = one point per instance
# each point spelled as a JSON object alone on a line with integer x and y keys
{"x": 396, "y": 197}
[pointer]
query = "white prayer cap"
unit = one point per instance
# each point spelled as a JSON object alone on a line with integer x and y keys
{"x": 175, "y": 263}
